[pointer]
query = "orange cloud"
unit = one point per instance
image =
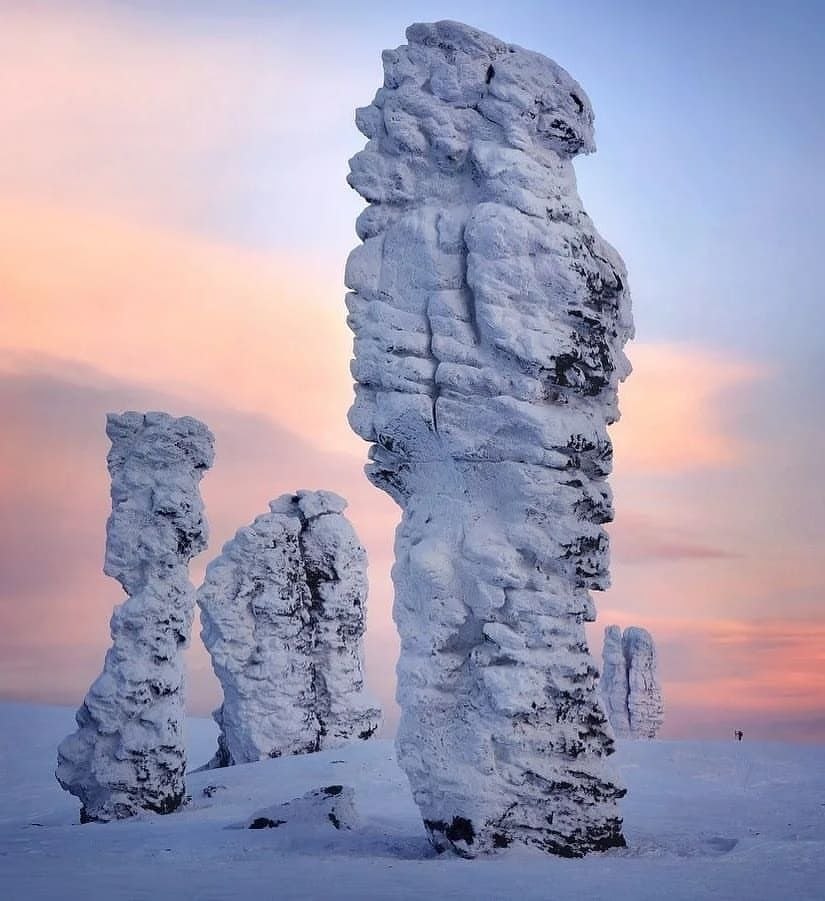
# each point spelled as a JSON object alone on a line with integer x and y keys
{"x": 673, "y": 409}
{"x": 721, "y": 670}
{"x": 55, "y": 602}
{"x": 256, "y": 332}
{"x": 196, "y": 325}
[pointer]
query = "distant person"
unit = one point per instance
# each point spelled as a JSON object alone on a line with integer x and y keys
{"x": 739, "y": 733}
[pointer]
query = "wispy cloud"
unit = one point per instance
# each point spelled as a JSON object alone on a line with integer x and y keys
{"x": 261, "y": 333}
{"x": 639, "y": 538}
{"x": 719, "y": 673}
{"x": 676, "y": 409}
{"x": 135, "y": 165}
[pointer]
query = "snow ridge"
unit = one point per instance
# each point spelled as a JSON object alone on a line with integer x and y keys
{"x": 127, "y": 754}
{"x": 489, "y": 320}
{"x": 283, "y": 612}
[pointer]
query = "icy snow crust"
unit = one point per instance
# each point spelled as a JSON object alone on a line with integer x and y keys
{"x": 127, "y": 754}
{"x": 722, "y": 820}
{"x": 283, "y": 611}
{"x": 489, "y": 320}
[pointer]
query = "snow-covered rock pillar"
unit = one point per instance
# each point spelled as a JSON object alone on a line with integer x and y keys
{"x": 645, "y": 706}
{"x": 489, "y": 321}
{"x": 283, "y": 610}
{"x": 127, "y": 754}
{"x": 630, "y": 683}
{"x": 614, "y": 681}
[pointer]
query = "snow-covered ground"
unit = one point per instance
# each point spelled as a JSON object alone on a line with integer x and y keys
{"x": 703, "y": 820}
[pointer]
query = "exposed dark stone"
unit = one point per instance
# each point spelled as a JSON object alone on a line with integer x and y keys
{"x": 266, "y": 823}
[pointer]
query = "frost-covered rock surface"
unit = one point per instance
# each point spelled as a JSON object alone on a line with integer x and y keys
{"x": 283, "y": 612}
{"x": 645, "y": 706}
{"x": 127, "y": 754}
{"x": 614, "y": 681}
{"x": 630, "y": 683}
{"x": 489, "y": 320}
{"x": 330, "y": 807}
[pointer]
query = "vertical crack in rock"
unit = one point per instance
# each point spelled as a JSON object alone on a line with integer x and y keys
{"x": 283, "y": 611}
{"x": 630, "y": 683}
{"x": 481, "y": 288}
{"x": 127, "y": 754}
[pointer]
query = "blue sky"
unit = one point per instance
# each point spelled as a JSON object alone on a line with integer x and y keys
{"x": 710, "y": 127}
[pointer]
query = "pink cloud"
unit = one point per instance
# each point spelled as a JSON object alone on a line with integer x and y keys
{"x": 718, "y": 673}
{"x": 673, "y": 409}
{"x": 55, "y": 602}
{"x": 261, "y": 333}
{"x": 642, "y": 538}
{"x": 158, "y": 318}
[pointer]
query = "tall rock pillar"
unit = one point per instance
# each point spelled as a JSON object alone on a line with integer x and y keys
{"x": 127, "y": 754}
{"x": 489, "y": 320}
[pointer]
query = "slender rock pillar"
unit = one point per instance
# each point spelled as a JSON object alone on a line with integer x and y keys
{"x": 614, "y": 682}
{"x": 127, "y": 754}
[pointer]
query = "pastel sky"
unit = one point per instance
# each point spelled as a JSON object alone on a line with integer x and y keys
{"x": 174, "y": 221}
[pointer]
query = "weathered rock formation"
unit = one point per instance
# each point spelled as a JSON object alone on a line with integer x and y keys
{"x": 614, "y": 682}
{"x": 305, "y": 820}
{"x": 630, "y": 685}
{"x": 489, "y": 321}
{"x": 128, "y": 753}
{"x": 283, "y": 612}
{"x": 645, "y": 706}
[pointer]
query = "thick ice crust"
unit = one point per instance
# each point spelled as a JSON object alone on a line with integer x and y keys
{"x": 283, "y": 611}
{"x": 489, "y": 320}
{"x": 630, "y": 683}
{"x": 128, "y": 754}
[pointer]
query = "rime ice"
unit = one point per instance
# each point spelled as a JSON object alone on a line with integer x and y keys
{"x": 283, "y": 611}
{"x": 127, "y": 754}
{"x": 489, "y": 320}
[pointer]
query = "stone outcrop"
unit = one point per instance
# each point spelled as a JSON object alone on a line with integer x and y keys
{"x": 283, "y": 613}
{"x": 127, "y": 754}
{"x": 630, "y": 684}
{"x": 489, "y": 320}
{"x": 303, "y": 821}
